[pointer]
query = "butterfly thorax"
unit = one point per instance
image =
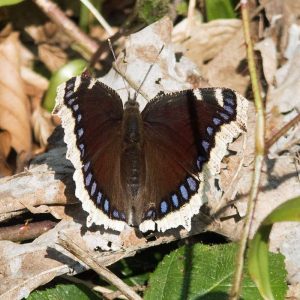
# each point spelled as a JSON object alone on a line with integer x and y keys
{"x": 132, "y": 159}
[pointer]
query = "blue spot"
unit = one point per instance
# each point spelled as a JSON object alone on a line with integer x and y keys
{"x": 205, "y": 145}
{"x": 69, "y": 94}
{"x": 75, "y": 107}
{"x": 79, "y": 118}
{"x": 175, "y": 200}
{"x": 163, "y": 207}
{"x": 93, "y": 188}
{"x": 224, "y": 116}
{"x": 216, "y": 121}
{"x": 192, "y": 184}
{"x": 80, "y": 132}
{"x": 200, "y": 160}
{"x": 116, "y": 214}
{"x": 70, "y": 85}
{"x": 184, "y": 192}
{"x": 81, "y": 147}
{"x": 228, "y": 109}
{"x": 99, "y": 197}
{"x": 88, "y": 179}
{"x": 86, "y": 166}
{"x": 106, "y": 205}
{"x": 123, "y": 217}
{"x": 210, "y": 130}
{"x": 71, "y": 101}
{"x": 229, "y": 101}
{"x": 149, "y": 213}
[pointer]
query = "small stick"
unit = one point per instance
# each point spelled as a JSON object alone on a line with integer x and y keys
{"x": 87, "y": 258}
{"x": 23, "y": 232}
{"x": 259, "y": 156}
{"x": 281, "y": 132}
{"x": 70, "y": 28}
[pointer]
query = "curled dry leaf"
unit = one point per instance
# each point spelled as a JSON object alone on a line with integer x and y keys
{"x": 14, "y": 104}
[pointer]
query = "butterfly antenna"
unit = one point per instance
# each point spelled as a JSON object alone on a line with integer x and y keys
{"x": 117, "y": 67}
{"x": 149, "y": 70}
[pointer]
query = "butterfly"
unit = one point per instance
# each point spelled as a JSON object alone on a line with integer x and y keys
{"x": 146, "y": 168}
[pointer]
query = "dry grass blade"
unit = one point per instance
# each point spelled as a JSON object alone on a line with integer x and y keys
{"x": 259, "y": 155}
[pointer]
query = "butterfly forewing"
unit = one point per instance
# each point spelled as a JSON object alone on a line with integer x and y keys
{"x": 98, "y": 113}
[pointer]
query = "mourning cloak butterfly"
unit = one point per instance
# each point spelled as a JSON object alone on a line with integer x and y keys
{"x": 146, "y": 169}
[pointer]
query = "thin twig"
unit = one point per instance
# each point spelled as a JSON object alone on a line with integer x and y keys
{"x": 89, "y": 260}
{"x": 24, "y": 232}
{"x": 70, "y": 28}
{"x": 281, "y": 132}
{"x": 98, "y": 16}
{"x": 259, "y": 155}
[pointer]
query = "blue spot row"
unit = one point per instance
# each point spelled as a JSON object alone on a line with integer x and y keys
{"x": 177, "y": 199}
{"x": 229, "y": 97}
{"x": 100, "y": 200}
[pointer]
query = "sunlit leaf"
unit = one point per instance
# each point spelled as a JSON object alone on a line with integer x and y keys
{"x": 258, "y": 262}
{"x": 73, "y": 68}
{"x": 205, "y": 272}
{"x": 219, "y": 9}
{"x": 9, "y": 2}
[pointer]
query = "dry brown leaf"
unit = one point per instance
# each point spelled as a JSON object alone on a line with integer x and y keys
{"x": 5, "y": 146}
{"x": 205, "y": 40}
{"x": 14, "y": 104}
{"x": 51, "y": 43}
{"x": 281, "y": 14}
{"x": 42, "y": 125}
{"x": 52, "y": 56}
{"x": 267, "y": 48}
{"x": 35, "y": 84}
{"x": 223, "y": 70}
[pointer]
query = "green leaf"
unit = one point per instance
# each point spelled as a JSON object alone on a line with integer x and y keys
{"x": 258, "y": 248}
{"x": 205, "y": 272}
{"x": 64, "y": 292}
{"x": 150, "y": 11}
{"x": 9, "y": 2}
{"x": 73, "y": 68}
{"x": 219, "y": 9}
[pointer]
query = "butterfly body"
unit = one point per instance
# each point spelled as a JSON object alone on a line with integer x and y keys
{"x": 146, "y": 169}
{"x": 132, "y": 160}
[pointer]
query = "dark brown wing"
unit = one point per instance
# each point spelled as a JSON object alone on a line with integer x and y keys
{"x": 179, "y": 134}
{"x": 97, "y": 113}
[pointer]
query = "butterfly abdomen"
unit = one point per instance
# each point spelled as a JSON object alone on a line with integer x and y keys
{"x": 132, "y": 158}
